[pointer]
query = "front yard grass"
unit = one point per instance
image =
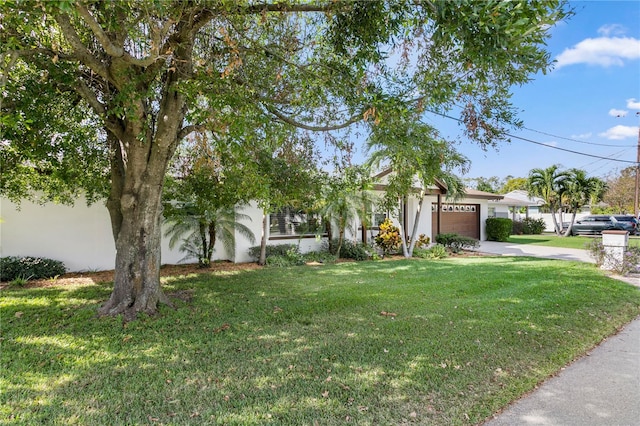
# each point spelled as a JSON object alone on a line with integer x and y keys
{"x": 551, "y": 240}
{"x": 391, "y": 342}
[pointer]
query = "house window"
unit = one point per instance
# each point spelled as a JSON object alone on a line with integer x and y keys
{"x": 378, "y": 218}
{"x": 293, "y": 222}
{"x": 492, "y": 212}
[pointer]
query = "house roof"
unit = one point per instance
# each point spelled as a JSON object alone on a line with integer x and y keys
{"x": 439, "y": 187}
{"x": 519, "y": 198}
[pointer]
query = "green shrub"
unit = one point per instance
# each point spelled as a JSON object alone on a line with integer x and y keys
{"x": 498, "y": 228}
{"x": 422, "y": 241}
{"x": 321, "y": 256}
{"x": 349, "y": 249}
{"x": 29, "y": 268}
{"x": 528, "y": 226}
{"x": 456, "y": 243}
{"x": 437, "y": 251}
{"x": 18, "y": 282}
{"x": 275, "y": 250}
{"x": 291, "y": 257}
{"x": 388, "y": 238}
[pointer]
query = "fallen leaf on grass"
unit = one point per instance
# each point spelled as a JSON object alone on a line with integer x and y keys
{"x": 19, "y": 314}
{"x": 223, "y": 327}
{"x": 325, "y": 394}
{"x": 388, "y": 314}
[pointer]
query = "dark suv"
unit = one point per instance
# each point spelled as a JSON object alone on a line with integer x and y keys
{"x": 595, "y": 224}
{"x": 629, "y": 222}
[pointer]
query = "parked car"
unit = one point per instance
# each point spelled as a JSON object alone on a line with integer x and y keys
{"x": 629, "y": 222}
{"x": 595, "y": 224}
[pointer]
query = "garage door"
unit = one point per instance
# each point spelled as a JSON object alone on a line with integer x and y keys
{"x": 461, "y": 219}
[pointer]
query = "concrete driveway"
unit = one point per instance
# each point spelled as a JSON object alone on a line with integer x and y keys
{"x": 509, "y": 249}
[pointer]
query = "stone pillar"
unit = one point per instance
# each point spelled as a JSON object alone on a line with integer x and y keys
{"x": 615, "y": 244}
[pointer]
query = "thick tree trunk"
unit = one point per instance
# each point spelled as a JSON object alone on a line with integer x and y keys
{"x": 137, "y": 269}
{"x": 138, "y": 166}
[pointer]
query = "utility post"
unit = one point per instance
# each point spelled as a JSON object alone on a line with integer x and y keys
{"x": 636, "y": 202}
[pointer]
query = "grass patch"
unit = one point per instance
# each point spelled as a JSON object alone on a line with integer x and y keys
{"x": 574, "y": 242}
{"x": 428, "y": 342}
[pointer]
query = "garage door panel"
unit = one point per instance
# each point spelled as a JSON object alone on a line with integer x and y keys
{"x": 465, "y": 223}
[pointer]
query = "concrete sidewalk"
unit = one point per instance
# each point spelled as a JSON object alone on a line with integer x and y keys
{"x": 600, "y": 389}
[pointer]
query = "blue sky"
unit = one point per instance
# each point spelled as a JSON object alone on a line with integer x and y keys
{"x": 592, "y": 95}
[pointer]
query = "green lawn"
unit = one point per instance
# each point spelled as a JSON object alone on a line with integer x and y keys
{"x": 576, "y": 242}
{"x": 411, "y": 341}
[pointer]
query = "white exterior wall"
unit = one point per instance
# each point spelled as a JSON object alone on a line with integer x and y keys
{"x": 484, "y": 214}
{"x": 79, "y": 235}
{"x": 424, "y": 225}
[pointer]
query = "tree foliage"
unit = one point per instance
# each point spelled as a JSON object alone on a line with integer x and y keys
{"x": 492, "y": 184}
{"x": 513, "y": 184}
{"x": 418, "y": 157}
{"x": 620, "y": 189}
{"x": 346, "y": 198}
{"x": 150, "y": 73}
{"x": 564, "y": 191}
{"x": 202, "y": 191}
{"x": 579, "y": 190}
{"x": 548, "y": 185}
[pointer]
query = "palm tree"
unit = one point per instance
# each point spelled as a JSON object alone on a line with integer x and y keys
{"x": 578, "y": 191}
{"x": 346, "y": 200}
{"x": 204, "y": 229}
{"x": 548, "y": 185}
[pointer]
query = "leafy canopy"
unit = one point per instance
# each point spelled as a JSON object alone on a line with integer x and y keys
{"x": 71, "y": 71}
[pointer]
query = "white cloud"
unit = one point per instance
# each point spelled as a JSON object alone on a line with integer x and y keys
{"x": 612, "y": 29}
{"x": 620, "y": 132}
{"x": 618, "y": 112}
{"x": 552, "y": 143}
{"x": 633, "y": 104}
{"x": 582, "y": 136}
{"x": 602, "y": 51}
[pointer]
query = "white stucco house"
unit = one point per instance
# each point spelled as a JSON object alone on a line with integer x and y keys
{"x": 513, "y": 202}
{"x": 518, "y": 205}
{"x": 80, "y": 235}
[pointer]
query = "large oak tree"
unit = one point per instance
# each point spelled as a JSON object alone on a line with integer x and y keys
{"x": 144, "y": 74}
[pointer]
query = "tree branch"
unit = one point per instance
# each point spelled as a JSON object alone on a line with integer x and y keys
{"x": 187, "y": 130}
{"x": 102, "y": 37}
{"x": 91, "y": 98}
{"x": 80, "y": 52}
{"x": 300, "y": 125}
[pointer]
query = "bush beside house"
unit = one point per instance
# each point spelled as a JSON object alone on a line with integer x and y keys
{"x": 528, "y": 226}
{"x": 29, "y": 268}
{"x": 498, "y": 228}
